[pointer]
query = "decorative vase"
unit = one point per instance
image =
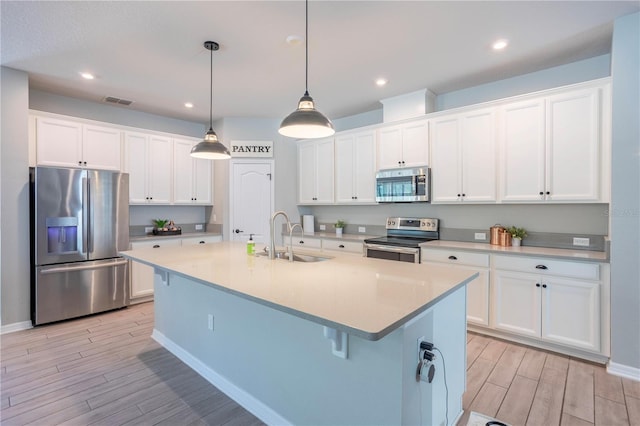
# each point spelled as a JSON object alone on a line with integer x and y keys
{"x": 516, "y": 242}
{"x": 339, "y": 232}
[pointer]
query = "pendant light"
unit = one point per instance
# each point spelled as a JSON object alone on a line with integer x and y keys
{"x": 210, "y": 148}
{"x": 306, "y": 122}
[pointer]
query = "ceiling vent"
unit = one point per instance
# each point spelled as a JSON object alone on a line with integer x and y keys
{"x": 113, "y": 100}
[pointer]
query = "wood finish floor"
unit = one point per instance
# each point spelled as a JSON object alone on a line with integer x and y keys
{"x": 106, "y": 370}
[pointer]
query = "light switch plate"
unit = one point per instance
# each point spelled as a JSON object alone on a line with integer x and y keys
{"x": 583, "y": 242}
{"x": 480, "y": 236}
{"x": 148, "y": 229}
{"x": 199, "y": 227}
{"x": 362, "y": 229}
{"x": 323, "y": 227}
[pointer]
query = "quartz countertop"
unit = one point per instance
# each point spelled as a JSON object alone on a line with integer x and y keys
{"x": 150, "y": 237}
{"x": 362, "y": 296}
{"x": 567, "y": 254}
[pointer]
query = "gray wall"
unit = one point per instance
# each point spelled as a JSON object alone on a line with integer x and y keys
{"x": 14, "y": 180}
{"x": 625, "y": 193}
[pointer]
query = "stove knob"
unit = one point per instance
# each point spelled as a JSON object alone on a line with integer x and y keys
{"x": 424, "y": 224}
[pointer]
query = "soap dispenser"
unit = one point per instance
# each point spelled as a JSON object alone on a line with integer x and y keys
{"x": 251, "y": 245}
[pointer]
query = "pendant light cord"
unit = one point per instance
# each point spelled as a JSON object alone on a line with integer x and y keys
{"x": 306, "y": 48}
{"x": 211, "y": 89}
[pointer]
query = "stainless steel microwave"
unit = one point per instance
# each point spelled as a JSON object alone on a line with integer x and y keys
{"x": 405, "y": 185}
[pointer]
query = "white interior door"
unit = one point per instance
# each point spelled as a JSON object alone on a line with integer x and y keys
{"x": 251, "y": 200}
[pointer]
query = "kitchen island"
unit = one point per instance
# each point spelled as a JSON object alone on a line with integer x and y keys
{"x": 331, "y": 342}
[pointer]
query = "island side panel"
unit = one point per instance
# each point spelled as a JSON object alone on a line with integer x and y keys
{"x": 280, "y": 366}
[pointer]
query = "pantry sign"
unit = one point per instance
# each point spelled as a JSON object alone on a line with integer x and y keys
{"x": 251, "y": 149}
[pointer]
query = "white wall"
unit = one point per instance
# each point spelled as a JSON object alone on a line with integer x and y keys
{"x": 14, "y": 211}
{"x": 625, "y": 193}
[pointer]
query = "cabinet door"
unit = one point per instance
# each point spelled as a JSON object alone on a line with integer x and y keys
{"x": 573, "y": 146}
{"x": 183, "y": 172}
{"x": 203, "y": 184}
{"x": 516, "y": 303}
{"x": 58, "y": 143}
{"x": 522, "y": 161}
{"x": 101, "y": 148}
{"x": 365, "y": 167}
{"x": 478, "y": 299}
{"x": 324, "y": 171}
{"x": 478, "y": 149}
{"x": 415, "y": 144}
{"x": 571, "y": 312}
{"x": 135, "y": 163}
{"x": 390, "y": 147}
{"x": 306, "y": 172}
{"x": 142, "y": 275}
{"x": 445, "y": 160}
{"x": 345, "y": 170}
{"x": 160, "y": 154}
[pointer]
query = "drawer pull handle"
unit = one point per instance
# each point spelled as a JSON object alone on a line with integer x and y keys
{"x": 341, "y": 246}
{"x": 453, "y": 258}
{"x": 541, "y": 267}
{"x": 201, "y": 242}
{"x": 537, "y": 284}
{"x": 301, "y": 241}
{"x": 156, "y": 246}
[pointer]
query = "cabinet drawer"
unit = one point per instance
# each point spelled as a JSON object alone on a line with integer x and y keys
{"x": 456, "y": 257}
{"x": 304, "y": 242}
{"x": 201, "y": 240}
{"x": 156, "y": 243}
{"x": 346, "y": 246}
{"x": 563, "y": 268}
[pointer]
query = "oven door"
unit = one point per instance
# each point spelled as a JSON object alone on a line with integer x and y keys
{"x": 402, "y": 254}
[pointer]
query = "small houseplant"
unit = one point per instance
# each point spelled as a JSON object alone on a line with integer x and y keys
{"x": 517, "y": 234}
{"x": 339, "y": 225}
{"x": 160, "y": 224}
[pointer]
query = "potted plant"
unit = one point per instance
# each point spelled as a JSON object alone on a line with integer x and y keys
{"x": 517, "y": 234}
{"x": 339, "y": 225}
{"x": 159, "y": 225}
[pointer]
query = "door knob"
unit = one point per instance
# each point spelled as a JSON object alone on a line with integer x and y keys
{"x": 237, "y": 231}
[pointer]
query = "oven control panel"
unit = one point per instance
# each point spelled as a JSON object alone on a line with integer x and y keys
{"x": 412, "y": 223}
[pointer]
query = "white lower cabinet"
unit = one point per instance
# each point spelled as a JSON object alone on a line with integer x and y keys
{"x": 304, "y": 241}
{"x": 559, "y": 303}
{"x": 141, "y": 285}
{"x": 324, "y": 244}
{"x": 478, "y": 289}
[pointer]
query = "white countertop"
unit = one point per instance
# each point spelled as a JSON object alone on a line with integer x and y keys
{"x": 365, "y": 297}
{"x": 583, "y": 255}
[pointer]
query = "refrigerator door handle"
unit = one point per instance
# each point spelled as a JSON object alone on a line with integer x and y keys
{"x": 86, "y": 242}
{"x": 82, "y": 267}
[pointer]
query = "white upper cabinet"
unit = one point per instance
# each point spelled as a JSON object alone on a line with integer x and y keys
{"x": 355, "y": 165}
{"x": 403, "y": 145}
{"x": 463, "y": 157}
{"x": 552, "y": 148}
{"x": 191, "y": 176}
{"x": 316, "y": 171}
{"x": 63, "y": 143}
{"x": 149, "y": 162}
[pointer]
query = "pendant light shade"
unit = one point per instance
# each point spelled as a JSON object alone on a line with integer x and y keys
{"x": 306, "y": 122}
{"x": 211, "y": 148}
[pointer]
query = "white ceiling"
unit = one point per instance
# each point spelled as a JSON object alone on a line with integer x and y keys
{"x": 152, "y": 52}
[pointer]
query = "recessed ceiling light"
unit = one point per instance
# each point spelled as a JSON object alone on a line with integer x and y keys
{"x": 500, "y": 44}
{"x": 188, "y": 105}
{"x": 381, "y": 81}
{"x": 87, "y": 75}
{"x": 294, "y": 40}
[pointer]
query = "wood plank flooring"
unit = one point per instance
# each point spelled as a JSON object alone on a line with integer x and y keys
{"x": 106, "y": 370}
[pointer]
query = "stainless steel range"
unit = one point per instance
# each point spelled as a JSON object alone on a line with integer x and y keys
{"x": 403, "y": 239}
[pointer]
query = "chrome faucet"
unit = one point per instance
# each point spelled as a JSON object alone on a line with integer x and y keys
{"x": 291, "y": 228}
{"x": 272, "y": 242}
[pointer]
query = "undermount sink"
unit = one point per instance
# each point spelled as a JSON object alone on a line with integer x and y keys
{"x": 307, "y": 258}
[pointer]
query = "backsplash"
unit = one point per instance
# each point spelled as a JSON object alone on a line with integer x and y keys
{"x": 187, "y": 228}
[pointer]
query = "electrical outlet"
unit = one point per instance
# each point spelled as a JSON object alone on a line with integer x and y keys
{"x": 362, "y": 229}
{"x": 480, "y": 236}
{"x": 215, "y": 218}
{"x": 210, "y": 322}
{"x": 584, "y": 242}
{"x": 199, "y": 227}
{"x": 323, "y": 227}
{"x": 148, "y": 229}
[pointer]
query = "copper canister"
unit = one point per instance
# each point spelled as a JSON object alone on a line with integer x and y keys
{"x": 505, "y": 239}
{"x": 495, "y": 232}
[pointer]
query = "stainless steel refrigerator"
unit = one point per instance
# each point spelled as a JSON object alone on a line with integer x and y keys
{"x": 79, "y": 223}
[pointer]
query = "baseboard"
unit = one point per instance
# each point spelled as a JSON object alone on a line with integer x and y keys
{"x": 623, "y": 371}
{"x": 246, "y": 400}
{"x": 16, "y": 326}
